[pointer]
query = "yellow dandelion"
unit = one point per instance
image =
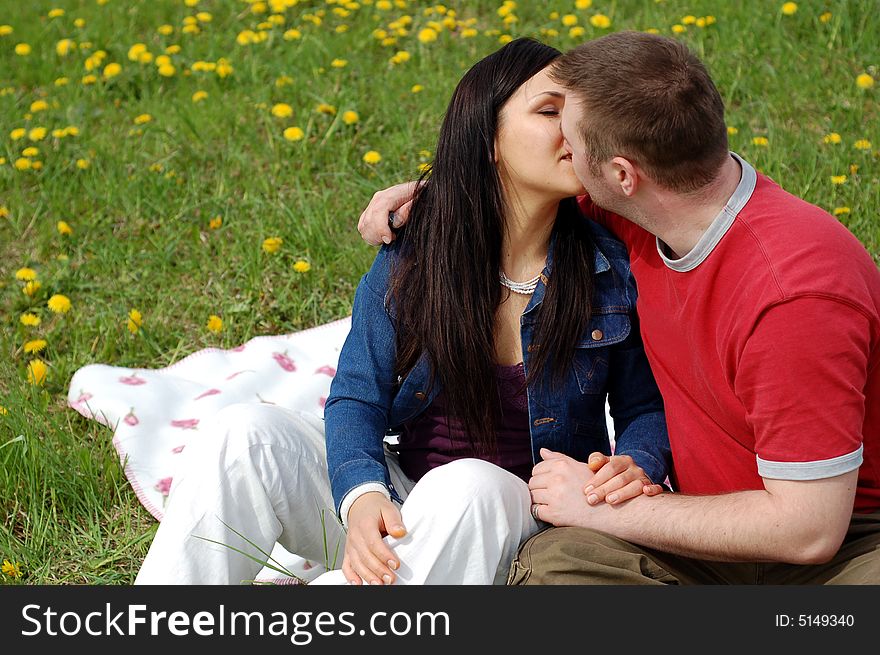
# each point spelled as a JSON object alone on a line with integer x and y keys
{"x": 600, "y": 21}
{"x": 760, "y": 141}
{"x": 39, "y": 105}
{"x": 853, "y": 169}
{"x": 215, "y": 323}
{"x": 789, "y": 8}
{"x": 215, "y": 222}
{"x": 223, "y": 68}
{"x": 200, "y": 95}
{"x": 37, "y": 165}
{"x": 292, "y": 35}
{"x": 83, "y": 164}
{"x": 172, "y": 49}
{"x": 142, "y": 118}
{"x": 204, "y": 17}
{"x": 135, "y": 320}
{"x": 55, "y": 13}
{"x": 17, "y": 133}
{"x": 283, "y": 80}
{"x": 79, "y": 22}
{"x": 372, "y": 157}
{"x": 678, "y": 28}
{"x": 864, "y": 81}
{"x": 832, "y": 137}
{"x": 417, "y": 88}
{"x": 838, "y": 179}
{"x": 135, "y": 51}
{"x": 167, "y": 70}
{"x": 6, "y": 30}
{"x": 4, "y": 212}
{"x": 294, "y": 133}
{"x": 427, "y": 35}
{"x": 569, "y": 20}
{"x": 324, "y": 108}
{"x": 700, "y": 22}
{"x": 88, "y": 79}
{"x": 3, "y": 412}
{"x": 30, "y": 152}
{"x": 350, "y": 117}
{"x": 59, "y": 304}
{"x": 825, "y": 17}
{"x": 282, "y": 110}
{"x": 689, "y": 20}
{"x": 400, "y": 57}
{"x": 30, "y": 289}
{"x": 22, "y": 49}
{"x": 731, "y": 130}
{"x": 165, "y": 30}
{"x": 112, "y": 70}
{"x": 838, "y": 211}
{"x": 29, "y": 319}
{"x": 62, "y": 81}
{"x": 37, "y": 134}
{"x": 339, "y": 63}
{"x": 862, "y": 144}
{"x": 35, "y": 346}
{"x": 22, "y": 164}
{"x": 25, "y": 274}
{"x": 10, "y": 569}
{"x": 37, "y": 372}
{"x": 64, "y": 46}
{"x": 301, "y": 266}
{"x": 272, "y": 245}
{"x": 583, "y": 4}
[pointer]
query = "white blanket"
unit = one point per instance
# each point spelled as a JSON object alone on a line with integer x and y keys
{"x": 154, "y": 413}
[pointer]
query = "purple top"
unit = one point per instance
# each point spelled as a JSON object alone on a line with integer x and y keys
{"x": 433, "y": 439}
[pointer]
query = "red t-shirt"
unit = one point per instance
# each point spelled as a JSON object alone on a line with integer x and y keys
{"x": 765, "y": 344}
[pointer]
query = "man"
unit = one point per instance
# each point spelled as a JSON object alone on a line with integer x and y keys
{"x": 760, "y": 315}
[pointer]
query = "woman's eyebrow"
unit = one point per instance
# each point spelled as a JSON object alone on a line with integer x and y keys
{"x": 555, "y": 94}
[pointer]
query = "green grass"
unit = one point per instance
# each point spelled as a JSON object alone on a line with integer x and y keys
{"x": 141, "y": 236}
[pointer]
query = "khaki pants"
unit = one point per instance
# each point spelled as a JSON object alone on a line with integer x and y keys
{"x": 585, "y": 556}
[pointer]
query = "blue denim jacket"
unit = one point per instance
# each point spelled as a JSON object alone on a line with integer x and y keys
{"x": 367, "y": 401}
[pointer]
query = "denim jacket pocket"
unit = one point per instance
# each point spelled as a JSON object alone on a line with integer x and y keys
{"x": 413, "y": 396}
{"x": 592, "y": 355}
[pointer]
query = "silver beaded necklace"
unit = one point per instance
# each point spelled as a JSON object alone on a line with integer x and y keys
{"x": 525, "y": 288}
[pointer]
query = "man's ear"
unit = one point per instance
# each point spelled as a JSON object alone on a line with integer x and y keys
{"x": 626, "y": 175}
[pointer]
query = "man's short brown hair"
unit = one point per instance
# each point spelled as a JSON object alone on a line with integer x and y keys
{"x": 649, "y": 99}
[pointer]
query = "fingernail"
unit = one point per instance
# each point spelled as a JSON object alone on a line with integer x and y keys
{"x": 592, "y": 499}
{"x": 613, "y": 498}
{"x": 387, "y": 578}
{"x": 588, "y": 488}
{"x": 376, "y": 582}
{"x": 386, "y": 240}
{"x": 392, "y": 564}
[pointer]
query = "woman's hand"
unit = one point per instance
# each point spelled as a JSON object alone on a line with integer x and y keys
{"x": 367, "y": 557}
{"x": 373, "y": 222}
{"x": 617, "y": 478}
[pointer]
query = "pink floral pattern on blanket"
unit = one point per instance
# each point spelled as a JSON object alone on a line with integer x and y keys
{"x": 154, "y": 413}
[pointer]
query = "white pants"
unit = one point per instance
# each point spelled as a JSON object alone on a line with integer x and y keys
{"x": 261, "y": 470}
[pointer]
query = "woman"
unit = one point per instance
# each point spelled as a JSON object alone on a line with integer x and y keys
{"x": 480, "y": 376}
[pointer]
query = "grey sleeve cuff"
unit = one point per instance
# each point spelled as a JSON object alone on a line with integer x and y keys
{"x": 818, "y": 470}
{"x": 356, "y": 493}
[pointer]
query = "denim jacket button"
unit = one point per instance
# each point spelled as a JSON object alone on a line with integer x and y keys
{"x": 597, "y": 335}
{"x": 420, "y": 395}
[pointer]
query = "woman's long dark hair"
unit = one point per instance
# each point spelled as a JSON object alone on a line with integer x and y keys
{"x": 444, "y": 286}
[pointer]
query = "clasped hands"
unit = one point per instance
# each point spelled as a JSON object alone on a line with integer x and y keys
{"x": 562, "y": 487}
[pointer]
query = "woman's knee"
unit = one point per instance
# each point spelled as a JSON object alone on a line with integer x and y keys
{"x": 470, "y": 481}
{"x": 240, "y": 427}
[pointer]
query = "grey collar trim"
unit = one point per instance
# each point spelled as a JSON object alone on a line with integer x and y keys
{"x": 720, "y": 224}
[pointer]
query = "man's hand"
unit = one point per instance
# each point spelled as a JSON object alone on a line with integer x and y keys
{"x": 373, "y": 222}
{"x": 617, "y": 479}
{"x": 367, "y": 557}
